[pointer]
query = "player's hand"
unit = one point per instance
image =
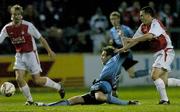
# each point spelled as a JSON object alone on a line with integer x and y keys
{"x": 121, "y": 50}
{"x": 51, "y": 54}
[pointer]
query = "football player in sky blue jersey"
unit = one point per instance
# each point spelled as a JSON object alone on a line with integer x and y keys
{"x": 119, "y": 35}
{"x": 101, "y": 90}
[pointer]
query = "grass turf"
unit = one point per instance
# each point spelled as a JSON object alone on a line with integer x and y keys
{"x": 146, "y": 95}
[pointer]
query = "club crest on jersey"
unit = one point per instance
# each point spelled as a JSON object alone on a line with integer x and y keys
{"x": 18, "y": 40}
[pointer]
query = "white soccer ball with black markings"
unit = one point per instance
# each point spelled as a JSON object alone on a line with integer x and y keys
{"x": 7, "y": 89}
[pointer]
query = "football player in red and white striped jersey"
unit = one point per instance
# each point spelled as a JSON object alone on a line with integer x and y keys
{"x": 153, "y": 31}
{"x": 22, "y": 35}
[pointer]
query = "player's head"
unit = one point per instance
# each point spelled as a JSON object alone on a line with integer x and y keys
{"x": 146, "y": 14}
{"x": 16, "y": 13}
{"x": 115, "y": 18}
{"x": 107, "y": 53}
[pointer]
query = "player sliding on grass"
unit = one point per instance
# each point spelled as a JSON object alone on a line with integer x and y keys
{"x": 119, "y": 34}
{"x": 22, "y": 34}
{"x": 153, "y": 31}
{"x": 101, "y": 90}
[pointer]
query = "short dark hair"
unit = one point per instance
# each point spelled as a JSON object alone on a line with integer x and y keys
{"x": 109, "y": 50}
{"x": 149, "y": 10}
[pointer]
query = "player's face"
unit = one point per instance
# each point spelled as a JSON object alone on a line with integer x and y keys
{"x": 115, "y": 20}
{"x": 104, "y": 57}
{"x": 145, "y": 18}
{"x": 16, "y": 16}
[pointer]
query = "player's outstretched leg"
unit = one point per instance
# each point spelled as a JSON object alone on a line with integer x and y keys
{"x": 141, "y": 73}
{"x": 59, "y": 103}
{"x": 113, "y": 100}
{"x": 46, "y": 81}
{"x": 57, "y": 86}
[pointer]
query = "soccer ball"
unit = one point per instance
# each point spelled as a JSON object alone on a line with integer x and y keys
{"x": 7, "y": 89}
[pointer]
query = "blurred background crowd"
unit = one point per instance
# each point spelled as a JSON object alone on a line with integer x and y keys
{"x": 82, "y": 26}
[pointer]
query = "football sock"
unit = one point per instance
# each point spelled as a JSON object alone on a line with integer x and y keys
{"x": 52, "y": 84}
{"x": 63, "y": 103}
{"x": 173, "y": 82}
{"x": 141, "y": 73}
{"x": 26, "y": 91}
{"x": 159, "y": 83}
{"x": 113, "y": 100}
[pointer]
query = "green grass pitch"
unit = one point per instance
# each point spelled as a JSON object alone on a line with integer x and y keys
{"x": 147, "y": 96}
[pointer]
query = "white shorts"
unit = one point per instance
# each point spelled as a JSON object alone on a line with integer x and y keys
{"x": 28, "y": 61}
{"x": 164, "y": 59}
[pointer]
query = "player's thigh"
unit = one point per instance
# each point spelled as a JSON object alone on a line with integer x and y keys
{"x": 164, "y": 77}
{"x": 76, "y": 100}
{"x": 157, "y": 73}
{"x": 129, "y": 62}
{"x": 164, "y": 59}
{"x": 19, "y": 63}
{"x": 89, "y": 98}
{"x": 33, "y": 63}
{"x": 100, "y": 96}
{"x": 131, "y": 71}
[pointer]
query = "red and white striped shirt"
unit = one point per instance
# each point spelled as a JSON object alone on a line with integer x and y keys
{"x": 21, "y": 36}
{"x": 161, "y": 40}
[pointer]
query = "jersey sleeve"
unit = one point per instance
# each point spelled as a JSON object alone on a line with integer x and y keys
{"x": 130, "y": 32}
{"x": 3, "y": 34}
{"x": 138, "y": 33}
{"x": 34, "y": 32}
{"x": 156, "y": 29}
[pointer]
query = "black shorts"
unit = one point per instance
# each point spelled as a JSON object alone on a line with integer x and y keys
{"x": 89, "y": 98}
{"x": 129, "y": 62}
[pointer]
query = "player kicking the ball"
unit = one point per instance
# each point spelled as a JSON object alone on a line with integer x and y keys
{"x": 22, "y": 34}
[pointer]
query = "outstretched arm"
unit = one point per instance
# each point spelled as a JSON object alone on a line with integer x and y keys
{"x": 132, "y": 42}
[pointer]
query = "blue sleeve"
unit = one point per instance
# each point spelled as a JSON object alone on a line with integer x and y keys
{"x": 128, "y": 31}
{"x": 131, "y": 33}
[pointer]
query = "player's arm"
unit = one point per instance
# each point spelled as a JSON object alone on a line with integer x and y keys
{"x": 145, "y": 37}
{"x": 132, "y": 42}
{"x": 36, "y": 34}
{"x": 47, "y": 47}
{"x": 3, "y": 35}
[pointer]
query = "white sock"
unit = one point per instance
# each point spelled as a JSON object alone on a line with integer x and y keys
{"x": 26, "y": 91}
{"x": 159, "y": 83}
{"x": 173, "y": 82}
{"x": 52, "y": 84}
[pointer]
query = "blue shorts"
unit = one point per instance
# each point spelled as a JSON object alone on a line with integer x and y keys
{"x": 102, "y": 86}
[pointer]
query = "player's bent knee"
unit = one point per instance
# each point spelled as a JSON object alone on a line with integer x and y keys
{"x": 37, "y": 81}
{"x": 154, "y": 77}
{"x": 100, "y": 97}
{"x": 19, "y": 79}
